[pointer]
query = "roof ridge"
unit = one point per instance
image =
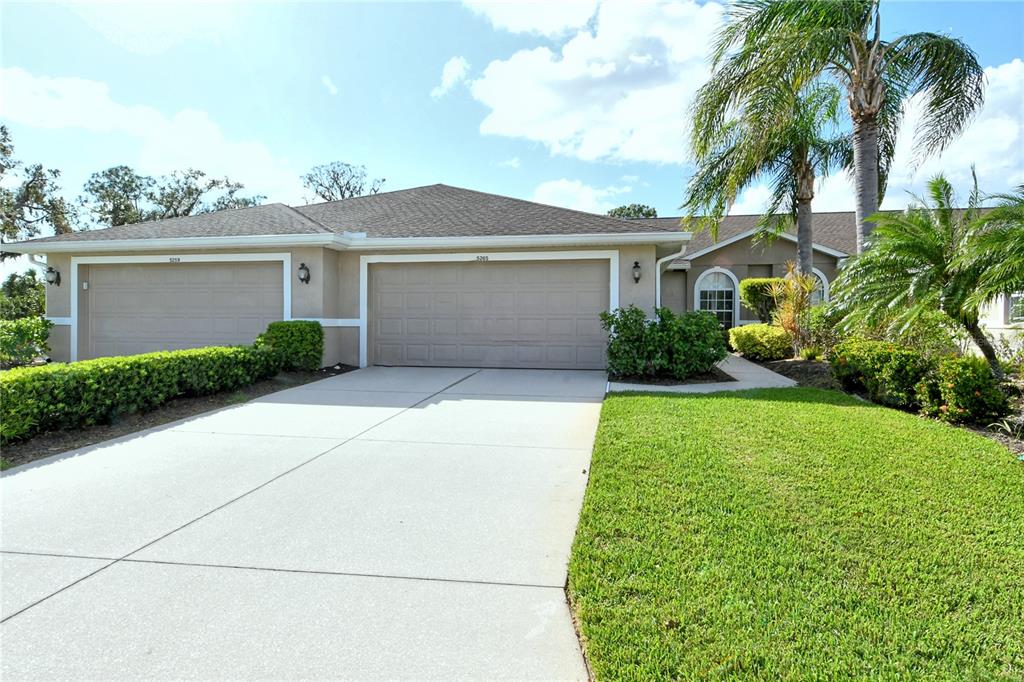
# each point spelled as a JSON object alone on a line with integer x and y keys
{"x": 316, "y": 223}
{"x": 534, "y": 203}
{"x": 367, "y": 196}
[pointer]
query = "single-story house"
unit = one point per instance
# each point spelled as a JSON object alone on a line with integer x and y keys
{"x": 433, "y": 275}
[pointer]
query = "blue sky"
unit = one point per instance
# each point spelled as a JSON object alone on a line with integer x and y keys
{"x": 575, "y": 103}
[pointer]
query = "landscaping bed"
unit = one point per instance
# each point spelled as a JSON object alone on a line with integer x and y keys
{"x": 809, "y": 373}
{"x": 796, "y": 533}
{"x": 712, "y": 376}
{"x": 56, "y": 442}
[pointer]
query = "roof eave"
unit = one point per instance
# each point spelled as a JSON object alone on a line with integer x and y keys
{"x": 342, "y": 242}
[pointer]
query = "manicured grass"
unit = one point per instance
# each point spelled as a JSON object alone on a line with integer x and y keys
{"x": 797, "y": 533}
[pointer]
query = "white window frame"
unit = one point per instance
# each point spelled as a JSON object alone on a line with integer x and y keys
{"x": 825, "y": 295}
{"x": 735, "y": 292}
{"x": 469, "y": 257}
{"x": 1010, "y": 319}
{"x": 284, "y": 258}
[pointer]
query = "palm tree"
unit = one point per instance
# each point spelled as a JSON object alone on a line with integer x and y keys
{"x": 765, "y": 40}
{"x": 1003, "y": 234}
{"x": 776, "y": 135}
{"x": 922, "y": 260}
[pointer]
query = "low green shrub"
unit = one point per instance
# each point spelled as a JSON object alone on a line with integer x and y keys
{"x": 962, "y": 390}
{"x": 23, "y": 340}
{"x": 761, "y": 341}
{"x": 887, "y": 373}
{"x": 811, "y": 353}
{"x": 77, "y": 394}
{"x": 756, "y": 294}
{"x": 676, "y": 346}
{"x": 300, "y": 344}
{"x": 822, "y": 324}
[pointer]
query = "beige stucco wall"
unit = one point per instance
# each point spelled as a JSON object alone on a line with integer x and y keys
{"x": 333, "y": 291}
{"x": 743, "y": 259}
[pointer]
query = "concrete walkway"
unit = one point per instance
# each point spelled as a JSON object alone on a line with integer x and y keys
{"x": 746, "y": 373}
{"x": 387, "y": 523}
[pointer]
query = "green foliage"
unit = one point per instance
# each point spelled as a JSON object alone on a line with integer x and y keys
{"x": 1001, "y": 232}
{"x": 30, "y": 201}
{"x": 792, "y": 295}
{"x": 23, "y": 340}
{"x": 760, "y": 535}
{"x": 22, "y": 296}
{"x": 339, "y": 180}
{"x": 761, "y": 341}
{"x": 676, "y": 346}
{"x": 300, "y": 343}
{"x": 916, "y": 268}
{"x": 634, "y": 211}
{"x": 121, "y": 196}
{"x": 811, "y": 353}
{"x": 756, "y": 295}
{"x": 887, "y": 373}
{"x": 77, "y": 394}
{"x": 962, "y": 390}
{"x": 821, "y": 327}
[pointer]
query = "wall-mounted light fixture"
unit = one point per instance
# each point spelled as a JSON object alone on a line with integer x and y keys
{"x": 636, "y": 271}
{"x": 303, "y": 273}
{"x": 52, "y": 277}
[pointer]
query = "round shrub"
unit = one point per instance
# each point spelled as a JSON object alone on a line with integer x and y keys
{"x": 676, "y": 346}
{"x": 300, "y": 343}
{"x": 962, "y": 390}
{"x": 887, "y": 373}
{"x": 761, "y": 342}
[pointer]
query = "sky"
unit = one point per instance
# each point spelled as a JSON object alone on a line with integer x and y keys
{"x": 580, "y": 104}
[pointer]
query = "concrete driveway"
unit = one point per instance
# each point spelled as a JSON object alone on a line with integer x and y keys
{"x": 387, "y": 523}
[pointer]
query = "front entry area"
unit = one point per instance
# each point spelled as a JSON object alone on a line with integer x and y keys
{"x": 503, "y": 314}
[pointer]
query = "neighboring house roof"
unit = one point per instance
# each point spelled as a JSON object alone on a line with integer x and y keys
{"x": 444, "y": 211}
{"x": 836, "y": 231}
{"x": 268, "y": 219}
{"x": 435, "y": 212}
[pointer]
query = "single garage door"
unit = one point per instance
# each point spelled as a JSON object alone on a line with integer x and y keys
{"x": 148, "y": 307}
{"x": 542, "y": 314}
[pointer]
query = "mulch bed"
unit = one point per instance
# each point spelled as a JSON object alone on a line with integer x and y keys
{"x": 56, "y": 442}
{"x": 713, "y": 377}
{"x": 818, "y": 374}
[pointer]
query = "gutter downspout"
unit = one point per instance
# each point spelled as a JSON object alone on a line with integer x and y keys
{"x": 34, "y": 259}
{"x": 658, "y": 273}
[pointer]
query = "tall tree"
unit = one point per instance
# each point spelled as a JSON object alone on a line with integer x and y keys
{"x": 784, "y": 134}
{"x": 338, "y": 180}
{"x": 633, "y": 211}
{"x": 29, "y": 197}
{"x": 22, "y": 296}
{"x": 765, "y": 40}
{"x": 120, "y": 196}
{"x": 921, "y": 261}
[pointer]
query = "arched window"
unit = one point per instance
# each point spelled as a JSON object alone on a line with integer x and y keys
{"x": 716, "y": 293}
{"x": 820, "y": 292}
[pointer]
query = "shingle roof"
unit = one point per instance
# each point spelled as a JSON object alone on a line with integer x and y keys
{"x": 268, "y": 219}
{"x": 835, "y": 230}
{"x": 444, "y": 211}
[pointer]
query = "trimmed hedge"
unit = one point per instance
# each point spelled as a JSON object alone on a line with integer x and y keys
{"x": 756, "y": 295}
{"x": 761, "y": 341}
{"x": 676, "y": 346}
{"x": 962, "y": 390}
{"x": 23, "y": 340}
{"x": 300, "y": 343}
{"x": 954, "y": 389}
{"x": 77, "y": 394}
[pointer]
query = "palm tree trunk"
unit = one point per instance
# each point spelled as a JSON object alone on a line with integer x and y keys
{"x": 804, "y": 238}
{"x": 865, "y": 171}
{"x": 985, "y": 346}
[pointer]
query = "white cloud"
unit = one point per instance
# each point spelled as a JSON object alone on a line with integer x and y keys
{"x": 329, "y": 84}
{"x": 620, "y": 92}
{"x": 187, "y": 139}
{"x": 752, "y": 202}
{"x": 151, "y": 28}
{"x": 577, "y": 195}
{"x": 453, "y": 73}
{"x": 545, "y": 18}
{"x": 509, "y": 163}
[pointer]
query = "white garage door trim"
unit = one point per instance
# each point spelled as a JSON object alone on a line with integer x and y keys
{"x": 284, "y": 258}
{"x": 365, "y": 261}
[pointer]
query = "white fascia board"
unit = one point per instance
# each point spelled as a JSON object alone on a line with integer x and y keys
{"x": 172, "y": 244}
{"x": 520, "y": 241}
{"x": 343, "y": 242}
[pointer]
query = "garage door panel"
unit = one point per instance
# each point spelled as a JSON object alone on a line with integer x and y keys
{"x": 139, "y": 308}
{"x": 489, "y": 314}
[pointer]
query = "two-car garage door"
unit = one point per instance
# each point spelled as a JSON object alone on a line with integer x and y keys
{"x": 540, "y": 314}
{"x": 139, "y": 308}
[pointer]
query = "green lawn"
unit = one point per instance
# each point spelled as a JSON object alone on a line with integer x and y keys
{"x": 797, "y": 533}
